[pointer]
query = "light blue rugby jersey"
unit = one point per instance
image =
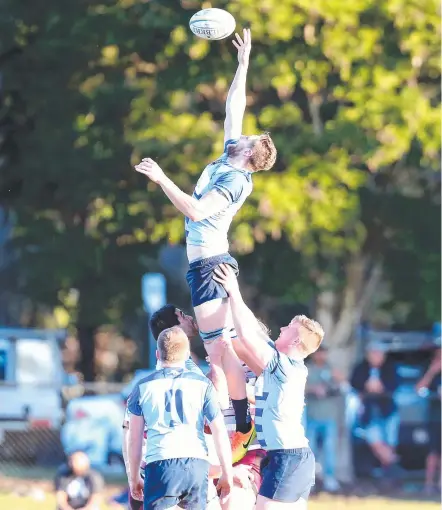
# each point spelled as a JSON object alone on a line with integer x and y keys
{"x": 174, "y": 403}
{"x": 279, "y": 394}
{"x": 190, "y": 365}
{"x": 235, "y": 184}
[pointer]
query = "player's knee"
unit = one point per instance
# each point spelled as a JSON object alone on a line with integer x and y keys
{"x": 209, "y": 336}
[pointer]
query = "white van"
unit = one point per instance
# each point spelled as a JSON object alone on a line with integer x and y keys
{"x": 31, "y": 378}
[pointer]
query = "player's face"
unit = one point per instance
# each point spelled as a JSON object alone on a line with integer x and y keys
{"x": 288, "y": 337}
{"x": 187, "y": 323}
{"x": 245, "y": 143}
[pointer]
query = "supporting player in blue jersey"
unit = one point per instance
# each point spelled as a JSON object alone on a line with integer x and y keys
{"x": 247, "y": 479}
{"x": 288, "y": 470}
{"x": 220, "y": 192}
{"x": 172, "y": 405}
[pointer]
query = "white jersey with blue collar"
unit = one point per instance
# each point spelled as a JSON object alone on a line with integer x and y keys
{"x": 280, "y": 395}
{"x": 235, "y": 184}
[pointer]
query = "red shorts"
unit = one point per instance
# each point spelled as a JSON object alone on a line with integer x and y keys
{"x": 253, "y": 459}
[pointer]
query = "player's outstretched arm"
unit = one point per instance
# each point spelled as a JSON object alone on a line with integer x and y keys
{"x": 196, "y": 210}
{"x": 236, "y": 99}
{"x": 254, "y": 341}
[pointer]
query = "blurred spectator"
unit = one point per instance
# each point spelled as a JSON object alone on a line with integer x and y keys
{"x": 77, "y": 486}
{"x": 323, "y": 411}
{"x": 375, "y": 379}
{"x": 431, "y": 381}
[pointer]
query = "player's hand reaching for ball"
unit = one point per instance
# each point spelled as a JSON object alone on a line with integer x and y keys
{"x": 150, "y": 169}
{"x": 243, "y": 46}
{"x": 225, "y": 275}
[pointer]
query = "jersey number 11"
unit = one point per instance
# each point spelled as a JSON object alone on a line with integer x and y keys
{"x": 174, "y": 408}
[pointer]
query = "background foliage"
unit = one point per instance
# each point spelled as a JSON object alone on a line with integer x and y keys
{"x": 347, "y": 224}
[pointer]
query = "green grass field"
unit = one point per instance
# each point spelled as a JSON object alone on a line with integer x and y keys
{"x": 8, "y": 502}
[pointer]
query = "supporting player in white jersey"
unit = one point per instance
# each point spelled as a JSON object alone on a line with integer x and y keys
{"x": 172, "y": 405}
{"x": 220, "y": 192}
{"x": 288, "y": 470}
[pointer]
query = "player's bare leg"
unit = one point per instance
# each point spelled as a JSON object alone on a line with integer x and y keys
{"x": 214, "y": 316}
{"x": 264, "y": 503}
{"x": 240, "y": 499}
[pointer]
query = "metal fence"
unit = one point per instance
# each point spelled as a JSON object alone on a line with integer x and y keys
{"x": 91, "y": 418}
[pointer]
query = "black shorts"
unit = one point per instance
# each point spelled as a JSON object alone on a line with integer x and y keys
{"x": 183, "y": 482}
{"x": 203, "y": 287}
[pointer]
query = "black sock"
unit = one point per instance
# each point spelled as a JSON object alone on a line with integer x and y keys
{"x": 242, "y": 415}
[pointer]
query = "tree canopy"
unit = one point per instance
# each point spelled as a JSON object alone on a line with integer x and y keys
{"x": 349, "y": 91}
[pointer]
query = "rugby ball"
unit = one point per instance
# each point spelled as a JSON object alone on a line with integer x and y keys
{"x": 213, "y": 24}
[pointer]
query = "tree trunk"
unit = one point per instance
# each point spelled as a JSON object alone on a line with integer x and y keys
{"x": 341, "y": 313}
{"x": 89, "y": 319}
{"x": 86, "y": 339}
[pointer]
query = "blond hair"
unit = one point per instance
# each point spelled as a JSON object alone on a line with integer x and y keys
{"x": 263, "y": 154}
{"x": 173, "y": 345}
{"x": 311, "y": 333}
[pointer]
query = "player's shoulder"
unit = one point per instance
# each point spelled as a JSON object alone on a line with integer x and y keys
{"x": 191, "y": 375}
{"x": 295, "y": 363}
{"x": 229, "y": 173}
{"x": 146, "y": 381}
{"x": 281, "y": 363}
{"x": 157, "y": 374}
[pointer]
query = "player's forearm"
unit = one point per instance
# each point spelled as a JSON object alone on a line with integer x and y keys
{"x": 124, "y": 448}
{"x": 134, "y": 454}
{"x": 244, "y": 319}
{"x": 223, "y": 449}
{"x": 182, "y": 201}
{"x": 236, "y": 99}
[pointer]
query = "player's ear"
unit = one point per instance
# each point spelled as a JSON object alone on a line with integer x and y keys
{"x": 247, "y": 152}
{"x": 157, "y": 354}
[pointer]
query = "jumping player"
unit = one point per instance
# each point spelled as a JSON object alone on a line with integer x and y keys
{"x": 220, "y": 192}
{"x": 288, "y": 470}
{"x": 172, "y": 404}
